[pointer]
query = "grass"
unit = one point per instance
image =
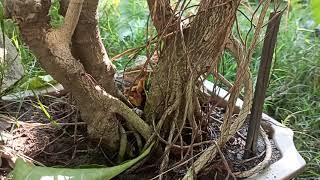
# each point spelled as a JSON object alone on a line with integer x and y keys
{"x": 293, "y": 95}
{"x": 294, "y": 90}
{"x": 31, "y": 67}
{"x": 130, "y": 33}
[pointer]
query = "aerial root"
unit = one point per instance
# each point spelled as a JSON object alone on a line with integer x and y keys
{"x": 176, "y": 127}
{"x": 165, "y": 161}
{"x": 213, "y": 150}
{"x": 225, "y": 163}
{"x": 123, "y": 143}
{"x": 262, "y": 164}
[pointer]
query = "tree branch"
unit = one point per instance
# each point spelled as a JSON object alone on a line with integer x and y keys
{"x": 72, "y": 17}
{"x": 53, "y": 52}
{"x": 210, "y": 30}
{"x": 90, "y": 50}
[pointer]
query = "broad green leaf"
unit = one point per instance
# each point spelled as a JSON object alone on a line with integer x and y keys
{"x": 26, "y": 171}
{"x": 38, "y": 82}
{"x": 315, "y": 4}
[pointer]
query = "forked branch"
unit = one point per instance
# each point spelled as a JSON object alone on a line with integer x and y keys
{"x": 52, "y": 49}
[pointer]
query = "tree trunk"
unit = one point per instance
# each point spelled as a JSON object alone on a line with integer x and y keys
{"x": 75, "y": 56}
{"x": 88, "y": 48}
{"x": 52, "y": 48}
{"x": 172, "y": 105}
{"x": 188, "y": 55}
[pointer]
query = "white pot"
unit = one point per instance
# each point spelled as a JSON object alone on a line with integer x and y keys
{"x": 291, "y": 163}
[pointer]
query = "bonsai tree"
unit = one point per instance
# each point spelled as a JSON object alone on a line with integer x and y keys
{"x": 188, "y": 52}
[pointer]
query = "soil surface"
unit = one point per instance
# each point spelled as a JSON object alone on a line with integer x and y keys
{"x": 51, "y": 133}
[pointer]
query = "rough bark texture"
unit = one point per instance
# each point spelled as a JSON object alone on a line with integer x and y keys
{"x": 52, "y": 48}
{"x": 81, "y": 64}
{"x": 55, "y": 56}
{"x": 89, "y": 49}
{"x": 162, "y": 15}
{"x": 184, "y": 58}
{"x": 192, "y": 51}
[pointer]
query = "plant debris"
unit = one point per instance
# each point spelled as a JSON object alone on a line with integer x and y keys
{"x": 62, "y": 140}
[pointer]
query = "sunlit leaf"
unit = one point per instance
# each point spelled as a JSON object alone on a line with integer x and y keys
{"x": 38, "y": 82}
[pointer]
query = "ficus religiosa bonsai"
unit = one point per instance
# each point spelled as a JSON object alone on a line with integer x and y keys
{"x": 73, "y": 54}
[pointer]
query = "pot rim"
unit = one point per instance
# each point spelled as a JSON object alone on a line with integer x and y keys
{"x": 291, "y": 162}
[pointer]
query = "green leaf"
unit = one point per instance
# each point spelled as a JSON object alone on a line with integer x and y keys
{"x": 38, "y": 82}
{"x": 26, "y": 171}
{"x": 315, "y": 4}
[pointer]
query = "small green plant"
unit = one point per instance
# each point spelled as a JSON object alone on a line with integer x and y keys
{"x": 56, "y": 18}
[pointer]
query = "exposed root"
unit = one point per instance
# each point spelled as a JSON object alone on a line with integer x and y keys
{"x": 225, "y": 164}
{"x": 123, "y": 144}
{"x": 137, "y": 137}
{"x": 229, "y": 128}
{"x": 157, "y": 128}
{"x": 253, "y": 158}
{"x": 201, "y": 52}
{"x": 262, "y": 164}
{"x": 180, "y": 164}
{"x": 131, "y": 117}
{"x": 165, "y": 161}
{"x": 238, "y": 122}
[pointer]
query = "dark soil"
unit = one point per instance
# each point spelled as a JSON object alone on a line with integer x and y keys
{"x": 234, "y": 151}
{"x": 61, "y": 140}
